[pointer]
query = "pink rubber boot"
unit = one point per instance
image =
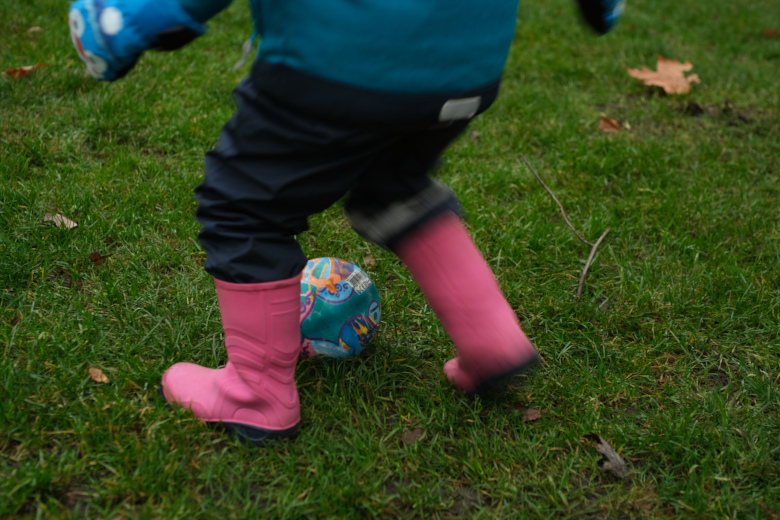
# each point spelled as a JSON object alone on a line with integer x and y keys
{"x": 464, "y": 294}
{"x": 254, "y": 395}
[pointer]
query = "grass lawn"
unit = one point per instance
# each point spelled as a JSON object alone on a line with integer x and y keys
{"x": 671, "y": 354}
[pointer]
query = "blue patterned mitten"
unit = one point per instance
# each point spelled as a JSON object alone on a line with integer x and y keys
{"x": 110, "y": 35}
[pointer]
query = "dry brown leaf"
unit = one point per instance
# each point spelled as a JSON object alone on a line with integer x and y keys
{"x": 613, "y": 463}
{"x": 476, "y": 135}
{"x": 60, "y": 220}
{"x": 609, "y": 125}
{"x": 771, "y": 33}
{"x": 669, "y": 76}
{"x": 34, "y": 29}
{"x": 97, "y": 375}
{"x": 531, "y": 415}
{"x": 369, "y": 260}
{"x": 97, "y": 257}
{"x": 412, "y": 436}
{"x": 22, "y": 72}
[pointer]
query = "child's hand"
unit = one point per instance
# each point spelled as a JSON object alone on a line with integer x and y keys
{"x": 100, "y": 62}
{"x": 601, "y": 15}
{"x": 110, "y": 35}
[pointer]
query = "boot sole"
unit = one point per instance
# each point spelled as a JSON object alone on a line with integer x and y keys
{"x": 244, "y": 432}
{"x": 258, "y": 436}
{"x": 499, "y": 382}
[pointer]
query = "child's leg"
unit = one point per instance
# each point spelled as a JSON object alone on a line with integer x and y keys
{"x": 271, "y": 169}
{"x": 464, "y": 294}
{"x": 423, "y": 230}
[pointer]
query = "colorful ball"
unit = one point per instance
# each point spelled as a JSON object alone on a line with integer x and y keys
{"x": 340, "y": 309}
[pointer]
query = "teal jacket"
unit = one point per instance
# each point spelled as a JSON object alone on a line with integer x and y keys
{"x": 397, "y": 46}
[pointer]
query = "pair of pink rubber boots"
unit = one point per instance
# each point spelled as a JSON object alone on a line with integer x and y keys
{"x": 254, "y": 395}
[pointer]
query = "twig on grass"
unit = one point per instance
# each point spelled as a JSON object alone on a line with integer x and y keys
{"x": 563, "y": 212}
{"x": 587, "y": 264}
{"x": 556, "y": 200}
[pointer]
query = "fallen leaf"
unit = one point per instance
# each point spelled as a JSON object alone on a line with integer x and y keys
{"x": 60, "y": 221}
{"x": 34, "y": 30}
{"x": 97, "y": 375}
{"x": 609, "y": 125}
{"x": 476, "y": 135}
{"x": 669, "y": 76}
{"x": 16, "y": 319}
{"x": 613, "y": 462}
{"x": 531, "y": 415}
{"x": 369, "y": 260}
{"x": 412, "y": 436}
{"x": 22, "y": 72}
{"x": 771, "y": 33}
{"x": 97, "y": 257}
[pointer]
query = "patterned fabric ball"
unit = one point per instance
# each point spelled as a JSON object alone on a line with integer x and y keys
{"x": 340, "y": 309}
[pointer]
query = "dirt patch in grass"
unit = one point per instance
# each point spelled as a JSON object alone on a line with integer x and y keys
{"x": 392, "y": 485}
{"x": 726, "y": 113}
{"x": 603, "y": 497}
{"x": 466, "y": 501}
{"x": 717, "y": 378}
{"x": 76, "y": 499}
{"x": 595, "y": 492}
{"x": 397, "y": 507}
{"x": 72, "y": 498}
{"x": 389, "y": 415}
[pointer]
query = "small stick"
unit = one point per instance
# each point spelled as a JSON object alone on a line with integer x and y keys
{"x": 556, "y": 200}
{"x": 590, "y": 260}
{"x": 593, "y": 246}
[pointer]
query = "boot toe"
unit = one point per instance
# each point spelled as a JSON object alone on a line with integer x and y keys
{"x": 183, "y": 384}
{"x": 498, "y": 375}
{"x": 459, "y": 377}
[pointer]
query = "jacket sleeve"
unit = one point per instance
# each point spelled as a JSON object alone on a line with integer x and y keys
{"x": 204, "y": 10}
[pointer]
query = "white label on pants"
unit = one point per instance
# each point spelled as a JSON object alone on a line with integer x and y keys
{"x": 457, "y": 109}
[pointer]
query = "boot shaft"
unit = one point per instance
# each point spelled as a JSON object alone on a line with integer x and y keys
{"x": 262, "y": 333}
